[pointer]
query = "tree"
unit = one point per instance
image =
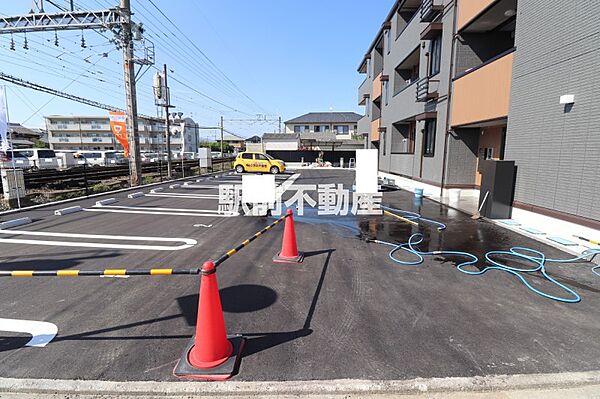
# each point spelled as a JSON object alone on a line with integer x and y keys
{"x": 40, "y": 144}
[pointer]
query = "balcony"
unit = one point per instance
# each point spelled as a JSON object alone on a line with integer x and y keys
{"x": 64, "y": 126}
{"x": 80, "y": 140}
{"x": 469, "y": 9}
{"x": 483, "y": 93}
{"x": 95, "y": 126}
{"x": 363, "y": 91}
{"x": 433, "y": 30}
{"x": 375, "y": 125}
{"x": 364, "y": 126}
{"x": 427, "y": 89}
{"x": 430, "y": 10}
{"x": 377, "y": 87}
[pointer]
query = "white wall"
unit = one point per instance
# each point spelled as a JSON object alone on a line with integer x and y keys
{"x": 281, "y": 145}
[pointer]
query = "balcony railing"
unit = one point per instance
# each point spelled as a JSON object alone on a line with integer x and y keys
{"x": 429, "y": 10}
{"x": 483, "y": 93}
{"x": 377, "y": 88}
{"x": 424, "y": 90}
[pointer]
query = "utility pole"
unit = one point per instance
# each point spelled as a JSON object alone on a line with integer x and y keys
{"x": 222, "y": 128}
{"x": 130, "y": 92}
{"x": 116, "y": 20}
{"x": 167, "y": 123}
{"x": 280, "y": 125}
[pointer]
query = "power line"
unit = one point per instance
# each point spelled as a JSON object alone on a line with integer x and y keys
{"x": 205, "y": 56}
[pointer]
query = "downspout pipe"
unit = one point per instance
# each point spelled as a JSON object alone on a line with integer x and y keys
{"x": 449, "y": 98}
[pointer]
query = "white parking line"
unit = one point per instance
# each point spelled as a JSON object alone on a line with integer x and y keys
{"x": 203, "y": 186}
{"x": 187, "y": 242}
{"x": 163, "y": 211}
{"x": 41, "y": 332}
{"x": 142, "y": 208}
{"x": 178, "y": 195}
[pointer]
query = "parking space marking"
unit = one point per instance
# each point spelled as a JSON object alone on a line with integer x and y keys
{"x": 187, "y": 242}
{"x": 163, "y": 211}
{"x": 201, "y": 186}
{"x": 178, "y": 195}
{"x": 41, "y": 332}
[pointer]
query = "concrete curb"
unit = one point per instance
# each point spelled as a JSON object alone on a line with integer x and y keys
{"x": 278, "y": 388}
{"x": 68, "y": 211}
{"x": 14, "y": 223}
{"x": 107, "y": 201}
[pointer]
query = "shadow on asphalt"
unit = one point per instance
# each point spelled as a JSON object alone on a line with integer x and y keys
{"x": 53, "y": 264}
{"x": 8, "y": 343}
{"x": 258, "y": 342}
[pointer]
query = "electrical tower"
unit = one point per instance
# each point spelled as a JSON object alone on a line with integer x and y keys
{"x": 116, "y": 20}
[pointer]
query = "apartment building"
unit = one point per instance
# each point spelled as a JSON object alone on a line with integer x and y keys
{"x": 452, "y": 82}
{"x": 342, "y": 124}
{"x": 94, "y": 133}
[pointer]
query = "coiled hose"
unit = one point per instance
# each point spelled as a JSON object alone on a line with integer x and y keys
{"x": 537, "y": 258}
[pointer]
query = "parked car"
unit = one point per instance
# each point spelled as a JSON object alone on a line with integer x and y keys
{"x": 258, "y": 162}
{"x": 39, "y": 158}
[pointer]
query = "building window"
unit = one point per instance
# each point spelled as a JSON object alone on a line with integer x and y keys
{"x": 435, "y": 55}
{"x": 341, "y": 129}
{"x": 297, "y": 129}
{"x": 306, "y": 129}
{"x": 429, "y": 138}
{"x": 403, "y": 138}
{"x": 317, "y": 129}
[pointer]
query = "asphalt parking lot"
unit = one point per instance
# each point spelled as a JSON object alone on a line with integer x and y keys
{"x": 346, "y": 312}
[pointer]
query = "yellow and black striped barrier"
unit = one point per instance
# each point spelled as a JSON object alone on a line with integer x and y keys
{"x": 96, "y": 273}
{"x": 235, "y": 250}
{"x": 594, "y": 242}
{"x": 136, "y": 272}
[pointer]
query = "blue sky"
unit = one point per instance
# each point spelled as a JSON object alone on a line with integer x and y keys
{"x": 288, "y": 57}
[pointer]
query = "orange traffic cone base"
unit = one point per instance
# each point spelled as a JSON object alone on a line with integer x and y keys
{"x": 284, "y": 259}
{"x": 223, "y": 371}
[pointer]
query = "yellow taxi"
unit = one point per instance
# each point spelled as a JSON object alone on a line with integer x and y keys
{"x": 258, "y": 162}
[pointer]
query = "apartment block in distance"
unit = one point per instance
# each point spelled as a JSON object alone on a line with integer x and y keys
{"x": 342, "y": 124}
{"x": 450, "y": 83}
{"x": 93, "y": 133}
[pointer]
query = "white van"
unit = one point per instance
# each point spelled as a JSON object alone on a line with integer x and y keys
{"x": 15, "y": 160}
{"x": 97, "y": 158}
{"x": 39, "y": 158}
{"x": 66, "y": 158}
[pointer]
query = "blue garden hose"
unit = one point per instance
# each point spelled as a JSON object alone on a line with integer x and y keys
{"x": 415, "y": 217}
{"x": 538, "y": 259}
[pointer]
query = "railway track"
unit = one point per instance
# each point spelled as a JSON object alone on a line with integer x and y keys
{"x": 80, "y": 176}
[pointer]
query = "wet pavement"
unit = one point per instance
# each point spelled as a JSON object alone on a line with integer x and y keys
{"x": 346, "y": 312}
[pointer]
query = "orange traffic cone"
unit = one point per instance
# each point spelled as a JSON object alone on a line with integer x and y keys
{"x": 289, "y": 250}
{"x": 211, "y": 354}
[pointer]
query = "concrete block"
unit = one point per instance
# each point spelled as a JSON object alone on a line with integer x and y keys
{"x": 66, "y": 211}
{"x": 14, "y": 223}
{"x": 175, "y": 186}
{"x": 107, "y": 201}
{"x": 156, "y": 190}
{"x": 136, "y": 195}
